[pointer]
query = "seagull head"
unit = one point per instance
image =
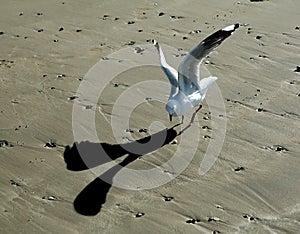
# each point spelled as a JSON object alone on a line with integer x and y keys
{"x": 171, "y": 108}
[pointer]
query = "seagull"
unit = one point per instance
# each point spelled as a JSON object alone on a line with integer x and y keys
{"x": 187, "y": 89}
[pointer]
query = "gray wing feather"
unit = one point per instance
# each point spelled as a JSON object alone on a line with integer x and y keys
{"x": 170, "y": 72}
{"x": 189, "y": 68}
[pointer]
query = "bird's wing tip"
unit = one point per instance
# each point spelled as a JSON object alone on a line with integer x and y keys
{"x": 231, "y": 28}
{"x": 154, "y": 42}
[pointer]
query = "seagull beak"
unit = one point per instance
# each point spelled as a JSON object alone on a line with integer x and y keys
{"x": 170, "y": 116}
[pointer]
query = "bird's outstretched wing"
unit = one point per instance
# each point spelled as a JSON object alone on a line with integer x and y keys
{"x": 170, "y": 72}
{"x": 189, "y": 68}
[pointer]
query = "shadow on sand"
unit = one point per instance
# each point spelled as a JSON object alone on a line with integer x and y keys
{"x": 90, "y": 200}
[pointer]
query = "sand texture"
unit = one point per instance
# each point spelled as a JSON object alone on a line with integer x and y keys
{"x": 46, "y": 50}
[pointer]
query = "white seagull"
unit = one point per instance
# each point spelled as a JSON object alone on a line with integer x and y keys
{"x": 187, "y": 89}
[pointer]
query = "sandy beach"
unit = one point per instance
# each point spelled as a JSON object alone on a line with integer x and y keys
{"x": 49, "y": 49}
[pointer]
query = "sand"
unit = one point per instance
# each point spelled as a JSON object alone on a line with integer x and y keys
{"x": 48, "y": 47}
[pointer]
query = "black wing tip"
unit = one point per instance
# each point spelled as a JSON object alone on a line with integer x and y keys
{"x": 236, "y": 26}
{"x": 154, "y": 42}
{"x": 231, "y": 28}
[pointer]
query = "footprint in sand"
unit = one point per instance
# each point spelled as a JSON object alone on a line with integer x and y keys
{"x": 14, "y": 183}
{"x": 139, "y": 214}
{"x": 214, "y": 219}
{"x": 168, "y": 198}
{"x": 193, "y": 221}
{"x": 239, "y": 169}
{"x": 250, "y": 218}
{"x": 72, "y": 98}
{"x": 6, "y": 63}
{"x": 50, "y": 144}
{"x": 143, "y": 130}
{"x": 277, "y": 148}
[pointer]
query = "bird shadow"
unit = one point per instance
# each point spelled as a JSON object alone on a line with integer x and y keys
{"x": 86, "y": 155}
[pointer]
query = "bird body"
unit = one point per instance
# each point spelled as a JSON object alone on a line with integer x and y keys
{"x": 187, "y": 89}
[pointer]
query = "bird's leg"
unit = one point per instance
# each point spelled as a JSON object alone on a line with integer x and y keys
{"x": 182, "y": 118}
{"x": 194, "y": 114}
{"x": 192, "y": 120}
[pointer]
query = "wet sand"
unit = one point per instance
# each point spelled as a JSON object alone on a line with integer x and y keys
{"x": 47, "y": 48}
